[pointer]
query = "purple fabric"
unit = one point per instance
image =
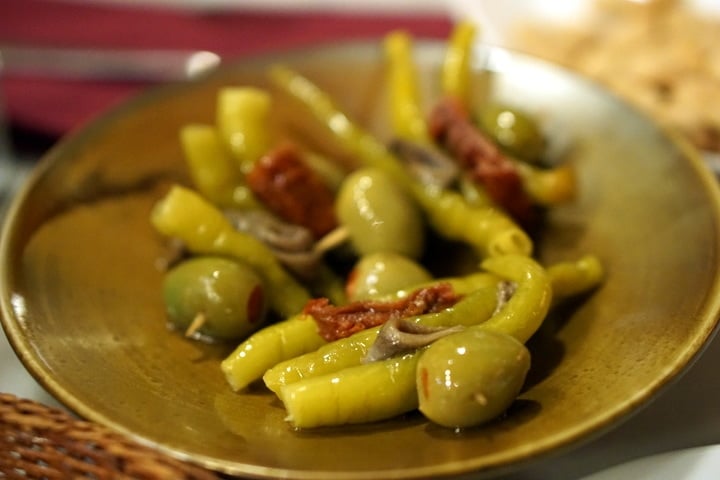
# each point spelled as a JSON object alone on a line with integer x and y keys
{"x": 55, "y": 106}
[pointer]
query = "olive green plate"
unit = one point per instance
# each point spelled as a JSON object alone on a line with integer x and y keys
{"x": 81, "y": 299}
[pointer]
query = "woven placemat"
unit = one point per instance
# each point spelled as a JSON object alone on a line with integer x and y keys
{"x": 41, "y": 442}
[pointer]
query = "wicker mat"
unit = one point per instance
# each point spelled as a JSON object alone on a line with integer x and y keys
{"x": 40, "y": 442}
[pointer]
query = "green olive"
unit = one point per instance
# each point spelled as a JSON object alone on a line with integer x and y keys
{"x": 383, "y": 273}
{"x": 214, "y": 298}
{"x": 379, "y": 215}
{"x": 471, "y": 377}
{"x": 514, "y": 131}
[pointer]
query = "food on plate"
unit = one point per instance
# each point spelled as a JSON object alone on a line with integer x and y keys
{"x": 660, "y": 55}
{"x": 213, "y": 172}
{"x": 203, "y": 230}
{"x": 378, "y": 215}
{"x": 360, "y": 322}
{"x": 514, "y": 131}
{"x": 290, "y": 189}
{"x": 383, "y": 273}
{"x": 480, "y": 158}
{"x": 470, "y": 377}
{"x": 266, "y": 348}
{"x": 486, "y": 228}
{"x": 215, "y": 297}
{"x": 242, "y": 116}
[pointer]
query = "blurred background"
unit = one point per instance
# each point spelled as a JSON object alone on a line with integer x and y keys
{"x": 660, "y": 54}
{"x": 43, "y": 104}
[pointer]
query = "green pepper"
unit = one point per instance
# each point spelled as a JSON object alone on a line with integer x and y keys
{"x": 242, "y": 117}
{"x": 487, "y": 229}
{"x": 203, "y": 229}
{"x": 328, "y": 358}
{"x": 364, "y": 393}
{"x": 267, "y": 347}
{"x": 523, "y": 314}
{"x": 548, "y": 187}
{"x": 327, "y": 168}
{"x": 212, "y": 170}
{"x": 571, "y": 278}
{"x": 456, "y": 73}
{"x": 408, "y": 121}
{"x": 472, "y": 192}
{"x": 461, "y": 285}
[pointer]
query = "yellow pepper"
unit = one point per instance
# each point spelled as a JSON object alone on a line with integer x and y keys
{"x": 456, "y": 68}
{"x": 213, "y": 171}
{"x": 267, "y": 347}
{"x": 571, "y": 278}
{"x": 408, "y": 121}
{"x": 549, "y": 187}
{"x": 242, "y": 117}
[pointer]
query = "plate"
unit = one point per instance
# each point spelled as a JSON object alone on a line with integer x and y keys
{"x": 81, "y": 297}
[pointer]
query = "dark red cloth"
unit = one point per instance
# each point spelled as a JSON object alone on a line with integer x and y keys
{"x": 56, "y": 106}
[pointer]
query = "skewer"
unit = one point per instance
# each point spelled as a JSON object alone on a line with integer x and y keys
{"x": 331, "y": 240}
{"x": 196, "y": 324}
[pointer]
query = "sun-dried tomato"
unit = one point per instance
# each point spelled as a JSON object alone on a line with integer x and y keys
{"x": 292, "y": 190}
{"x": 450, "y": 126}
{"x": 335, "y": 322}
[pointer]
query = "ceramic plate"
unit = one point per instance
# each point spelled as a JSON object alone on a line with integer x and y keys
{"x": 81, "y": 288}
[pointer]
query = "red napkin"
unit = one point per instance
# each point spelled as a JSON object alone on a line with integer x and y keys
{"x": 54, "y": 106}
